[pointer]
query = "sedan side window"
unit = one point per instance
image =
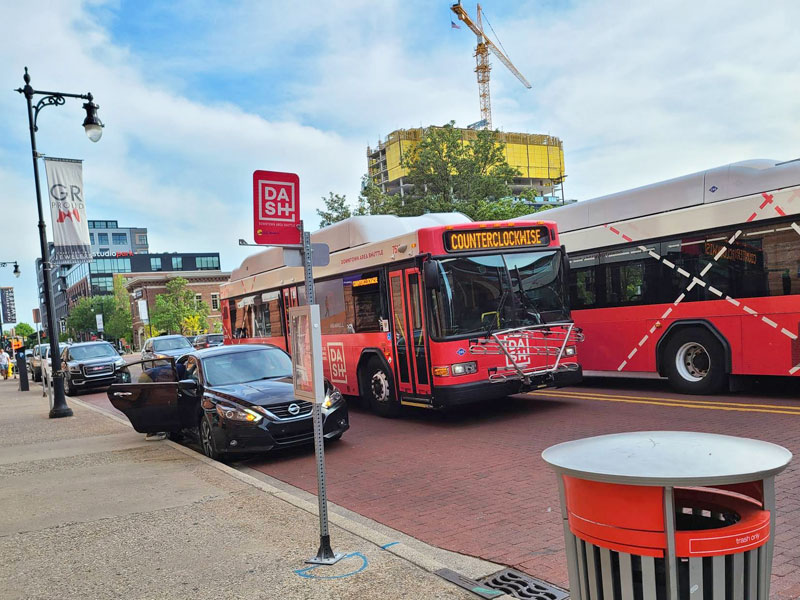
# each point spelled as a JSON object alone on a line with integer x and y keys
{"x": 191, "y": 369}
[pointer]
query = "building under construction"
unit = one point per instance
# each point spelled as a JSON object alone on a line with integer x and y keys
{"x": 538, "y": 158}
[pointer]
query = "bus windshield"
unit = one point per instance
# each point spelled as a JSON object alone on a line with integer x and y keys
{"x": 499, "y": 291}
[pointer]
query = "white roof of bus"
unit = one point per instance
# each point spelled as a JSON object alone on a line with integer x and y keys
{"x": 704, "y": 187}
{"x": 352, "y": 232}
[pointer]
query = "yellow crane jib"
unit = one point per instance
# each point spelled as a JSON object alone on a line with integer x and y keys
{"x": 483, "y": 67}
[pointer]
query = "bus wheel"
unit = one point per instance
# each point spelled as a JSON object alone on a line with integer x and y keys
{"x": 377, "y": 390}
{"x": 695, "y": 362}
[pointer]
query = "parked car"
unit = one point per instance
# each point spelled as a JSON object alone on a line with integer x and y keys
{"x": 35, "y": 361}
{"x": 191, "y": 339}
{"x": 91, "y": 365}
{"x": 209, "y": 340}
{"x": 232, "y": 399}
{"x": 166, "y": 346}
{"x": 47, "y": 364}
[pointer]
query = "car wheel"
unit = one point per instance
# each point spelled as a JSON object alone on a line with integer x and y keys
{"x": 695, "y": 362}
{"x": 377, "y": 389}
{"x": 69, "y": 389}
{"x": 207, "y": 439}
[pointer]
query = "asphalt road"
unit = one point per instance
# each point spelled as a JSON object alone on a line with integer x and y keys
{"x": 474, "y": 482}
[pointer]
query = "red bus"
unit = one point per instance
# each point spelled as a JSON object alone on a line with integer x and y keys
{"x": 430, "y": 311}
{"x": 696, "y": 279}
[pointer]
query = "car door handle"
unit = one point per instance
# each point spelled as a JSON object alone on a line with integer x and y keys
{"x": 123, "y": 393}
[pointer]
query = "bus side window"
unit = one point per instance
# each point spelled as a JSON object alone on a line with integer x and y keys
{"x": 583, "y": 281}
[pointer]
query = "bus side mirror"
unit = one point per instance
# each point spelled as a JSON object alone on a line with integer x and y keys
{"x": 430, "y": 274}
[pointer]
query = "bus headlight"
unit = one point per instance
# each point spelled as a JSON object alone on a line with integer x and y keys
{"x": 570, "y": 351}
{"x": 466, "y": 368}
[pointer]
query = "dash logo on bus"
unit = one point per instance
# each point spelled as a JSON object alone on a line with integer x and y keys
{"x": 518, "y": 350}
{"x": 336, "y": 362}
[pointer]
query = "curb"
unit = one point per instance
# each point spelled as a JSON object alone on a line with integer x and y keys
{"x": 399, "y": 549}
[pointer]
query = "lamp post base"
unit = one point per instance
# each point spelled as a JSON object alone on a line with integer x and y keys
{"x": 61, "y": 411}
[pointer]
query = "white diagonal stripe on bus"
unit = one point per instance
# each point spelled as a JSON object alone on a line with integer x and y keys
{"x": 622, "y": 366}
{"x": 796, "y": 227}
{"x": 788, "y": 333}
{"x": 666, "y": 313}
{"x": 679, "y": 300}
{"x": 714, "y": 290}
{"x": 705, "y": 270}
{"x": 699, "y": 282}
{"x": 733, "y": 301}
{"x": 769, "y": 322}
{"x": 792, "y": 371}
{"x": 720, "y": 253}
{"x": 749, "y": 310}
{"x": 630, "y": 356}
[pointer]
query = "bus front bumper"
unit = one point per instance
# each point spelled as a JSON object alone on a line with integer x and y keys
{"x": 479, "y": 391}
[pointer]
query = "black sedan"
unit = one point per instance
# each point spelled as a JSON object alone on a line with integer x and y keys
{"x": 230, "y": 399}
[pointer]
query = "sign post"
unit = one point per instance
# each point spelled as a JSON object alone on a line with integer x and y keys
{"x": 276, "y": 222}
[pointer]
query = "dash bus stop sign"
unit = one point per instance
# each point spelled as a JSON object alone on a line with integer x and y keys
{"x": 276, "y": 208}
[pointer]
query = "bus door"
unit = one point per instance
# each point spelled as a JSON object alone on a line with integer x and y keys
{"x": 410, "y": 336}
{"x": 289, "y": 301}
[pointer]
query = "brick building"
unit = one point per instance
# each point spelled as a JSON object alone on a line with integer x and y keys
{"x": 146, "y": 286}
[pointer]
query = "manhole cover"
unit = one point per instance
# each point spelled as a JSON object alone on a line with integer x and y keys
{"x": 524, "y": 586}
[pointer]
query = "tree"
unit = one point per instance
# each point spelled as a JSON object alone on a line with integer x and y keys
{"x": 374, "y": 201}
{"x": 24, "y": 329}
{"x": 452, "y": 175}
{"x": 119, "y": 324}
{"x": 82, "y": 319}
{"x": 175, "y": 306}
{"x": 336, "y": 209}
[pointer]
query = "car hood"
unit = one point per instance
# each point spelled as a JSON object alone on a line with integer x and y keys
{"x": 259, "y": 393}
{"x": 102, "y": 360}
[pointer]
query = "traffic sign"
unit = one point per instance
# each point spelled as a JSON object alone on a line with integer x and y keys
{"x": 276, "y": 208}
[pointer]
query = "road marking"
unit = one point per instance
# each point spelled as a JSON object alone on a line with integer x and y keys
{"x": 675, "y": 403}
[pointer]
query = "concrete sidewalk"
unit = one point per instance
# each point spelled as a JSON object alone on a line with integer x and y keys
{"x": 90, "y": 510}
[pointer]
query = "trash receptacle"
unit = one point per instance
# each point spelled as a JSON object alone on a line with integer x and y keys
{"x": 668, "y": 515}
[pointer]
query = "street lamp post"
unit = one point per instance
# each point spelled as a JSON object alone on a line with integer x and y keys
{"x": 94, "y": 130}
{"x": 16, "y": 274}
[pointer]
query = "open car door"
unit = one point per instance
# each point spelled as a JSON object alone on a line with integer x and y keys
{"x": 151, "y": 404}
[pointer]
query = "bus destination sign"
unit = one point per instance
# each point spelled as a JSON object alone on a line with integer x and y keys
{"x": 496, "y": 239}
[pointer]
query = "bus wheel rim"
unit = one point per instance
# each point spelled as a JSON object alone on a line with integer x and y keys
{"x": 380, "y": 386}
{"x": 693, "y": 361}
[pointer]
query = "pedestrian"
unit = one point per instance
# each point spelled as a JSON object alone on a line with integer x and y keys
{"x": 4, "y": 362}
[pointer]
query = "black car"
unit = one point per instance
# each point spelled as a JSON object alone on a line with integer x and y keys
{"x": 208, "y": 340}
{"x": 90, "y": 365}
{"x": 166, "y": 346}
{"x": 230, "y": 399}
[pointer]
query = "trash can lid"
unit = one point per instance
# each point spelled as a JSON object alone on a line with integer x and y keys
{"x": 668, "y": 458}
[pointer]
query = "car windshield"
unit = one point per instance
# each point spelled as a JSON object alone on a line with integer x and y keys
{"x": 499, "y": 291}
{"x": 93, "y": 351}
{"x": 47, "y": 350}
{"x": 171, "y": 344}
{"x": 241, "y": 367}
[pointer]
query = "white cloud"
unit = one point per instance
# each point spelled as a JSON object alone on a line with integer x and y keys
{"x": 637, "y": 91}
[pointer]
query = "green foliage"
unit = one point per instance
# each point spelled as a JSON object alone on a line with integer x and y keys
{"x": 119, "y": 324}
{"x": 82, "y": 318}
{"x": 217, "y": 327}
{"x": 176, "y": 309}
{"x": 24, "y": 330}
{"x": 373, "y": 201}
{"x": 336, "y": 209}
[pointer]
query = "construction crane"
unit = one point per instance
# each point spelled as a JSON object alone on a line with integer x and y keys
{"x": 483, "y": 67}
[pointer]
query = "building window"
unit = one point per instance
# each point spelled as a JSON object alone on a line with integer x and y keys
{"x": 110, "y": 265}
{"x": 155, "y": 264}
{"x": 141, "y": 239}
{"x": 207, "y": 262}
{"x": 177, "y": 263}
{"x": 214, "y": 301}
{"x": 198, "y": 298}
{"x": 102, "y": 285}
{"x": 102, "y": 238}
{"x": 119, "y": 239}
{"x": 91, "y": 238}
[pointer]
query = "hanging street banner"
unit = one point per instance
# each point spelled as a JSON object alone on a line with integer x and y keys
{"x": 7, "y": 304}
{"x": 276, "y": 208}
{"x": 68, "y": 211}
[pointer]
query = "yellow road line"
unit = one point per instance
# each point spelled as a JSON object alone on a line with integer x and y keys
{"x": 656, "y": 398}
{"x": 672, "y": 403}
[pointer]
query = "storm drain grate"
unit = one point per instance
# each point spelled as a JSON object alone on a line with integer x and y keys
{"x": 524, "y": 586}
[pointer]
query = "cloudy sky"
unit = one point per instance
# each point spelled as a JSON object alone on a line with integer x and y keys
{"x": 196, "y": 95}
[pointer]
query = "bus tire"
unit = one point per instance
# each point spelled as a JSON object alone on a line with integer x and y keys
{"x": 378, "y": 391}
{"x": 695, "y": 362}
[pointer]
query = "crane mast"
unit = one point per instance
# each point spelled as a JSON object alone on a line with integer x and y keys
{"x": 483, "y": 67}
